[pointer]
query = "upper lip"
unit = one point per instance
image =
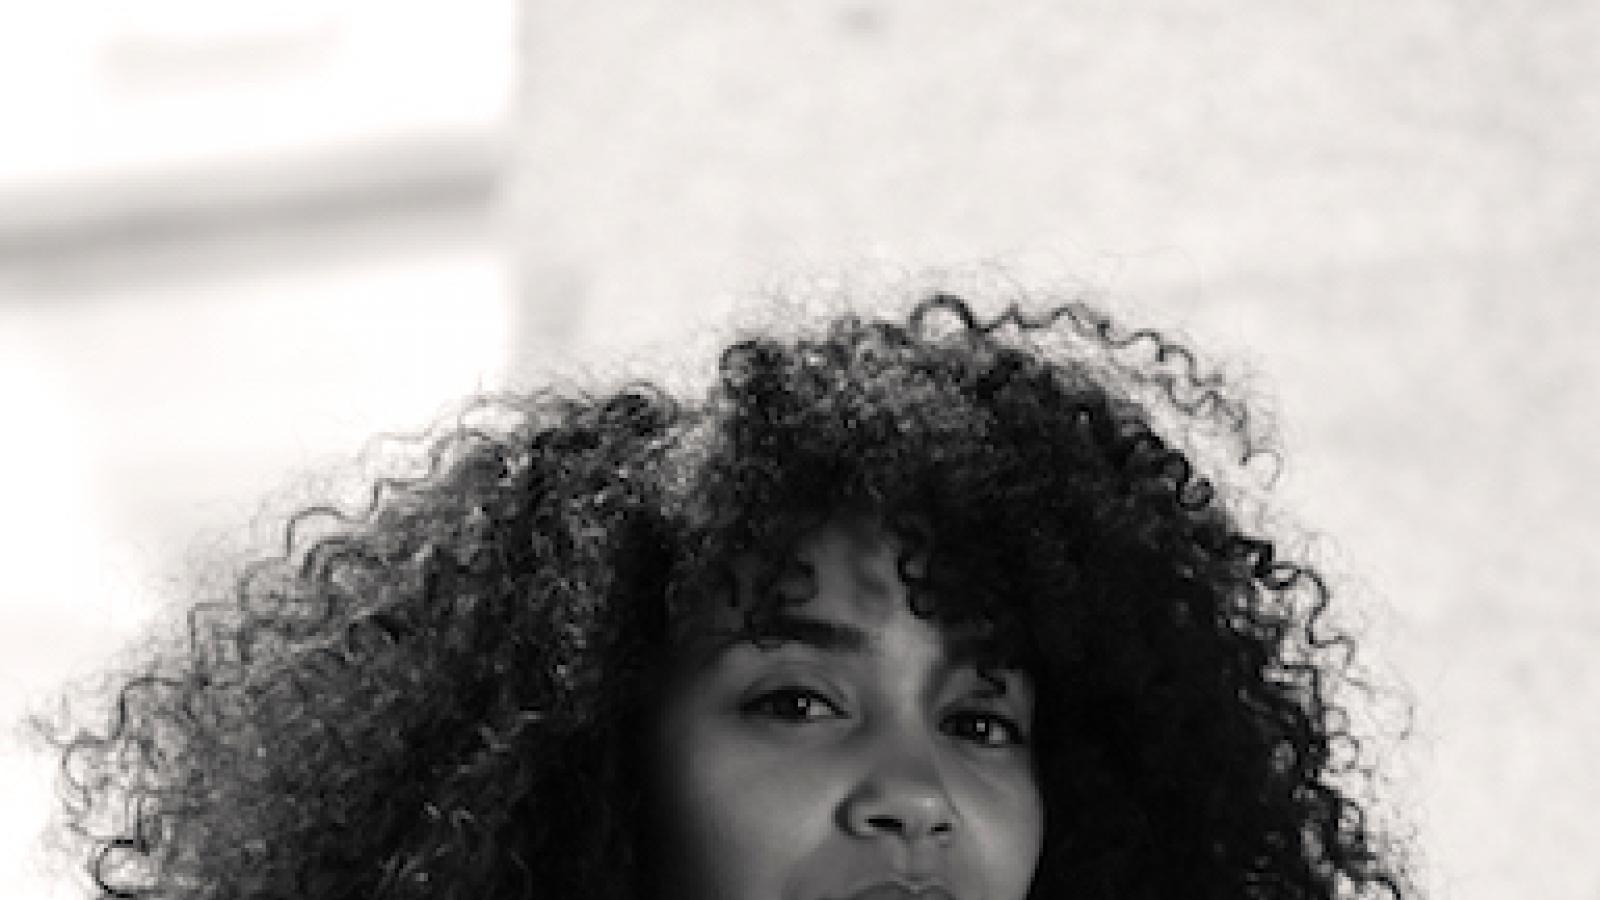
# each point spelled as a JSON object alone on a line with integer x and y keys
{"x": 899, "y": 890}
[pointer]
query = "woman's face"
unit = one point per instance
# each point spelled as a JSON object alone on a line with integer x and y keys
{"x": 858, "y": 748}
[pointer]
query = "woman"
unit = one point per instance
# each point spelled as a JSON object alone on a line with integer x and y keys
{"x": 933, "y": 608}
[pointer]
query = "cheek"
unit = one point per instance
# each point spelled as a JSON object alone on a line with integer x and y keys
{"x": 735, "y": 819}
{"x": 1006, "y": 824}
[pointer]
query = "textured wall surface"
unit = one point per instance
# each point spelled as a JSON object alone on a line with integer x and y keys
{"x": 1388, "y": 211}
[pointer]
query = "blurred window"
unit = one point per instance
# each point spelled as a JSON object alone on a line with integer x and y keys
{"x": 117, "y": 113}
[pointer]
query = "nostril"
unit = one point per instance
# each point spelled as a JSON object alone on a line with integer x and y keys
{"x": 897, "y": 826}
{"x": 885, "y": 823}
{"x": 900, "y": 809}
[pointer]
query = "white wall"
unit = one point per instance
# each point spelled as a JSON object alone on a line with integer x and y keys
{"x": 236, "y": 240}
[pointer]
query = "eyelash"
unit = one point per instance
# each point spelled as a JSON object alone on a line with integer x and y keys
{"x": 766, "y": 706}
{"x": 1010, "y": 731}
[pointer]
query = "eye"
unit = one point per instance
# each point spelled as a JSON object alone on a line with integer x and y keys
{"x": 986, "y": 729}
{"x": 791, "y": 704}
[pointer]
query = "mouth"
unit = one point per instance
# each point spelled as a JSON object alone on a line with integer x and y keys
{"x": 893, "y": 891}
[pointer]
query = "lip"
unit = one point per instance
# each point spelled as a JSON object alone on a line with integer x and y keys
{"x": 890, "y": 890}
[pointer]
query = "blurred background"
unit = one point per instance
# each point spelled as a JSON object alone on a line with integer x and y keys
{"x": 236, "y": 240}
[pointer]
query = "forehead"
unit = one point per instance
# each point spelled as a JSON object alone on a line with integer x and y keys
{"x": 841, "y": 586}
{"x": 855, "y": 570}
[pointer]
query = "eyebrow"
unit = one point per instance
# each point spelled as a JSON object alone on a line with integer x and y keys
{"x": 818, "y": 634}
{"x": 838, "y": 637}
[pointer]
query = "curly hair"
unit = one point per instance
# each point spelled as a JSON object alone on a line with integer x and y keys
{"x": 440, "y": 697}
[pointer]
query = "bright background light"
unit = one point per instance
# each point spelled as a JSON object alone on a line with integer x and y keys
{"x": 236, "y": 241}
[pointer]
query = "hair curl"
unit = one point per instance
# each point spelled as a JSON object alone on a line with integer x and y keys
{"x": 439, "y": 697}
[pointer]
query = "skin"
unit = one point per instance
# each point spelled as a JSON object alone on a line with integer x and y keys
{"x": 811, "y": 767}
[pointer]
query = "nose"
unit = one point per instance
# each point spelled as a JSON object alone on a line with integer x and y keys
{"x": 906, "y": 800}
